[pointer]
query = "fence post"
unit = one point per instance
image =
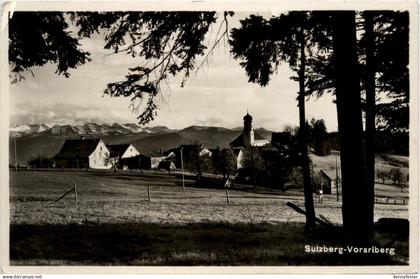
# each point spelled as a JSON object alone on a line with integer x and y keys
{"x": 149, "y": 198}
{"x": 182, "y": 170}
{"x": 75, "y": 192}
{"x": 16, "y": 163}
{"x": 227, "y": 196}
{"x": 65, "y": 194}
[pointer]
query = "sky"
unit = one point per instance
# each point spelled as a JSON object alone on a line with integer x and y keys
{"x": 219, "y": 94}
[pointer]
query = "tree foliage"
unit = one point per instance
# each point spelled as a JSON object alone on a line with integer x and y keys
{"x": 164, "y": 44}
{"x": 392, "y": 58}
{"x": 38, "y": 38}
{"x": 319, "y": 137}
{"x": 225, "y": 162}
{"x": 382, "y": 175}
{"x": 197, "y": 162}
{"x": 112, "y": 160}
{"x": 253, "y": 163}
{"x": 397, "y": 176}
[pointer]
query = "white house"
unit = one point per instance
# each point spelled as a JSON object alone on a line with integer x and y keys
{"x": 122, "y": 153}
{"x": 82, "y": 153}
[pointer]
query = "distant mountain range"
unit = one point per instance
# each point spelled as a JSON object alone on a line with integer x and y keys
{"x": 41, "y": 139}
{"x": 86, "y": 129}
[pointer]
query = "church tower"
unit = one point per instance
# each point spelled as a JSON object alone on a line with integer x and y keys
{"x": 248, "y": 133}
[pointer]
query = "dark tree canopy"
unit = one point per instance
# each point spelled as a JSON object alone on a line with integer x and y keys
{"x": 263, "y": 43}
{"x": 392, "y": 44}
{"x": 37, "y": 38}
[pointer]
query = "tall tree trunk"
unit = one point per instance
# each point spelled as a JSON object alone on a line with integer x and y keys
{"x": 349, "y": 113}
{"x": 307, "y": 185}
{"x": 370, "y": 113}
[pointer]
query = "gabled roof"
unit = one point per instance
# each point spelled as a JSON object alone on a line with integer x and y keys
{"x": 80, "y": 148}
{"x": 330, "y": 173}
{"x": 239, "y": 141}
{"x": 117, "y": 149}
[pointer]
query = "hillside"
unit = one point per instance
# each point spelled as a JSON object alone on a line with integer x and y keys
{"x": 160, "y": 142}
{"x": 383, "y": 162}
{"x": 210, "y": 136}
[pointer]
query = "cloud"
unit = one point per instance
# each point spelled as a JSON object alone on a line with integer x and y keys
{"x": 63, "y": 113}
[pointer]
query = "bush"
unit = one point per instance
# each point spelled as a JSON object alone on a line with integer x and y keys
{"x": 295, "y": 178}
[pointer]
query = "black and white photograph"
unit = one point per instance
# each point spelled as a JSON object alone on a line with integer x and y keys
{"x": 211, "y": 136}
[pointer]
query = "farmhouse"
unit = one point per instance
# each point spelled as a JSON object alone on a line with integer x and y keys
{"x": 188, "y": 151}
{"x": 122, "y": 151}
{"x": 155, "y": 159}
{"x": 124, "y": 154}
{"x": 328, "y": 181}
{"x": 82, "y": 153}
{"x": 166, "y": 165}
{"x": 248, "y": 138}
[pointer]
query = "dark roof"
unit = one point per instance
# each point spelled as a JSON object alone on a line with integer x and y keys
{"x": 239, "y": 141}
{"x": 330, "y": 173}
{"x": 135, "y": 158}
{"x": 247, "y": 117}
{"x": 80, "y": 148}
{"x": 281, "y": 137}
{"x": 117, "y": 149}
{"x": 166, "y": 164}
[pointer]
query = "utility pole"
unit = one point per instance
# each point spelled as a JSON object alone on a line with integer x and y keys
{"x": 40, "y": 157}
{"x": 16, "y": 163}
{"x": 336, "y": 177}
{"x": 182, "y": 170}
{"x": 141, "y": 171}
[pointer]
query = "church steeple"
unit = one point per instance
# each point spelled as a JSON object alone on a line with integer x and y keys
{"x": 248, "y": 130}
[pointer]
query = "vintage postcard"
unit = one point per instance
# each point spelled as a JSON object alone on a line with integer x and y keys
{"x": 209, "y": 137}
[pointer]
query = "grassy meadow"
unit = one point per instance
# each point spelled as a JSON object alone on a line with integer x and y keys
{"x": 113, "y": 223}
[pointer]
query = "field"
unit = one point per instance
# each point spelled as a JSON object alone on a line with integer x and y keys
{"x": 113, "y": 223}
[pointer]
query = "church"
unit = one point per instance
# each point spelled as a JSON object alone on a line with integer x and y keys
{"x": 248, "y": 138}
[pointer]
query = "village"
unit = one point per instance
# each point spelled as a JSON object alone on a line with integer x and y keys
{"x": 84, "y": 153}
{"x": 251, "y": 159}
